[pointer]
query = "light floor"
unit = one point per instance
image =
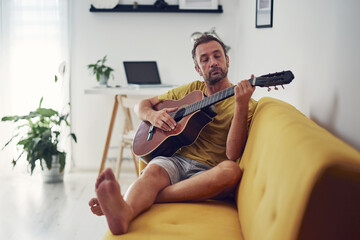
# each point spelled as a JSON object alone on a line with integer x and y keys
{"x": 33, "y": 210}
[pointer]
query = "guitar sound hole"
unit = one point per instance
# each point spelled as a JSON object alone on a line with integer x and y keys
{"x": 179, "y": 114}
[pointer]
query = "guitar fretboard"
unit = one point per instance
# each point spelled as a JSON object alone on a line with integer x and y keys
{"x": 208, "y": 101}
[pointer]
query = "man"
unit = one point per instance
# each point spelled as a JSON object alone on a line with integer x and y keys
{"x": 203, "y": 170}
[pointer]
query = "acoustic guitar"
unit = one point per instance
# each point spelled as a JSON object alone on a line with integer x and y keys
{"x": 194, "y": 111}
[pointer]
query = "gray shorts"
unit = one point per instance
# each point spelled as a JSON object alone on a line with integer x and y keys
{"x": 180, "y": 168}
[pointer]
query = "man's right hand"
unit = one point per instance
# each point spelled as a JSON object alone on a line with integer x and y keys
{"x": 161, "y": 119}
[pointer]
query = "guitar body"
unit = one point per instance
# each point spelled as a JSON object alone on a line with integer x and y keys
{"x": 186, "y": 132}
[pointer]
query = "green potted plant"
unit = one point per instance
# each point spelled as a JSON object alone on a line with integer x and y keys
{"x": 37, "y": 136}
{"x": 101, "y": 71}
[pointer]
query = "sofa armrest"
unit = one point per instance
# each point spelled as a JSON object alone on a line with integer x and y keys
{"x": 285, "y": 156}
{"x": 333, "y": 209}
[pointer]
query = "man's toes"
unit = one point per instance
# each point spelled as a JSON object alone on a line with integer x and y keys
{"x": 99, "y": 180}
{"x": 99, "y": 212}
{"x": 109, "y": 175}
{"x": 93, "y": 202}
{"x": 106, "y": 175}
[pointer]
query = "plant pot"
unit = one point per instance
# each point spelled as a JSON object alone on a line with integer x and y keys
{"x": 103, "y": 80}
{"x": 53, "y": 175}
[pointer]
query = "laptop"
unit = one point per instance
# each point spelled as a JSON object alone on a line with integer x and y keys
{"x": 143, "y": 74}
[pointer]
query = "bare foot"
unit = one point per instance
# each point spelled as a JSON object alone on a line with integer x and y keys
{"x": 117, "y": 212}
{"x": 95, "y": 207}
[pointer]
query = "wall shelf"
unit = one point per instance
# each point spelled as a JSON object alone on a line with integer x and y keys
{"x": 152, "y": 8}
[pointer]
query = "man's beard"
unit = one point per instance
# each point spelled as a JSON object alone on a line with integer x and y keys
{"x": 211, "y": 80}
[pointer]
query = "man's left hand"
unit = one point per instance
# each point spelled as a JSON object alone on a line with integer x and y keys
{"x": 243, "y": 92}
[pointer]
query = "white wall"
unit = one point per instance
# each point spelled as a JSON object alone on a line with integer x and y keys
{"x": 319, "y": 42}
{"x": 164, "y": 37}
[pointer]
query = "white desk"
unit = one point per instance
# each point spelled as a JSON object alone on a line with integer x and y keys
{"x": 128, "y": 91}
{"x": 120, "y": 93}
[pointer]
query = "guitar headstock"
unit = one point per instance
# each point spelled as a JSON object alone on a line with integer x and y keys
{"x": 273, "y": 79}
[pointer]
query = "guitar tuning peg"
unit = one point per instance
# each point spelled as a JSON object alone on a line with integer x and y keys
{"x": 276, "y": 88}
{"x": 282, "y": 86}
{"x": 269, "y": 89}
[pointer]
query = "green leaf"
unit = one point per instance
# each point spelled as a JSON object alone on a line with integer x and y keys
{"x": 64, "y": 117}
{"x": 26, "y": 141}
{"x": 32, "y": 164}
{"x": 73, "y": 137}
{"x": 107, "y": 72}
{"x": 62, "y": 158}
{"x": 67, "y": 123}
{"x": 104, "y": 59}
{"x": 15, "y": 161}
{"x": 10, "y": 141}
{"x": 30, "y": 115}
{"x": 41, "y": 102}
{"x": 41, "y": 165}
{"x": 10, "y": 118}
{"x": 48, "y": 161}
{"x": 46, "y": 112}
{"x": 56, "y": 78}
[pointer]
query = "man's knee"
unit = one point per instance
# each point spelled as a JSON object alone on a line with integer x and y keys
{"x": 228, "y": 173}
{"x": 156, "y": 172}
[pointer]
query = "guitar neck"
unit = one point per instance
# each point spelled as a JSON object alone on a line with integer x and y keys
{"x": 271, "y": 79}
{"x": 211, "y": 100}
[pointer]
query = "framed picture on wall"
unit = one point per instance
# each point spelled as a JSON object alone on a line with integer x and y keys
{"x": 198, "y": 4}
{"x": 264, "y": 13}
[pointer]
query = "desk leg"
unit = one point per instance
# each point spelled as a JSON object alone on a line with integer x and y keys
{"x": 111, "y": 126}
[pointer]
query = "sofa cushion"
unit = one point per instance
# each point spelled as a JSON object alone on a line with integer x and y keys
{"x": 207, "y": 220}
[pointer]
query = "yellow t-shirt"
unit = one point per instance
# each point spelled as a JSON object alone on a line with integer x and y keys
{"x": 210, "y": 146}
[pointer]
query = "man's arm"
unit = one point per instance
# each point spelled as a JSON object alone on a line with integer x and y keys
{"x": 160, "y": 119}
{"x": 238, "y": 130}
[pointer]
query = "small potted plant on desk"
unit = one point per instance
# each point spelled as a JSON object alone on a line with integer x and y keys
{"x": 38, "y": 135}
{"x": 101, "y": 71}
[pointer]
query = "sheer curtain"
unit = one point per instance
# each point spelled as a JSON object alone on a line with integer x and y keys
{"x": 33, "y": 43}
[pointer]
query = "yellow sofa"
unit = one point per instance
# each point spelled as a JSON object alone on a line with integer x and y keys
{"x": 299, "y": 182}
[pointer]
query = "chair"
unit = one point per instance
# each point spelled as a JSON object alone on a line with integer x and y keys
{"x": 128, "y": 132}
